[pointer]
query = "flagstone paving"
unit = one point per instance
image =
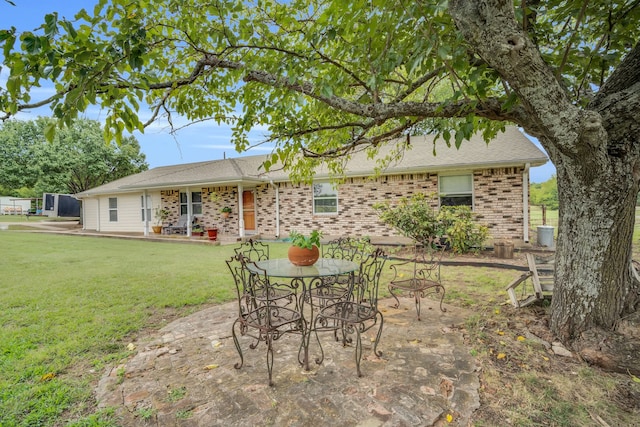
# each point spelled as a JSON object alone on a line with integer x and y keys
{"x": 184, "y": 376}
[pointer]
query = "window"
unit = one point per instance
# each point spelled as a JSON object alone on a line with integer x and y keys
{"x": 456, "y": 190}
{"x": 325, "y": 199}
{"x": 113, "y": 209}
{"x": 146, "y": 216}
{"x": 196, "y": 203}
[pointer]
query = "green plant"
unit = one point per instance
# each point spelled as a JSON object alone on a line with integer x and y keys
{"x": 145, "y": 413}
{"x": 413, "y": 217}
{"x": 176, "y": 394}
{"x": 226, "y": 209}
{"x": 160, "y": 215}
{"x": 461, "y": 230}
{"x": 306, "y": 242}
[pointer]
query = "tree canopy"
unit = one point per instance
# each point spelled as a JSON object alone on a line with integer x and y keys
{"x": 329, "y": 77}
{"x": 76, "y": 160}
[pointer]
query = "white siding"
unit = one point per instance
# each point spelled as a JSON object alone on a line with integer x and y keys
{"x": 129, "y": 213}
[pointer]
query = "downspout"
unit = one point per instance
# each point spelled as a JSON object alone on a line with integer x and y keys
{"x": 277, "y": 208}
{"x": 525, "y": 202}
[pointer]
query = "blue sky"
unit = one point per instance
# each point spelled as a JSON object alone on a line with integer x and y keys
{"x": 194, "y": 143}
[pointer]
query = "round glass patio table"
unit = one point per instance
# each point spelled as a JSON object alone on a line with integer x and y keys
{"x": 282, "y": 267}
{"x": 307, "y": 277}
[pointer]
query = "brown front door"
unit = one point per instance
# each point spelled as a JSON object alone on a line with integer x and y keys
{"x": 249, "y": 211}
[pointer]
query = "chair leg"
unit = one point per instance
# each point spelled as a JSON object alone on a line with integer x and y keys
{"x": 391, "y": 288}
{"x": 269, "y": 342}
{"x": 416, "y": 297}
{"x": 358, "y": 351}
{"x": 237, "y": 344}
{"x": 441, "y": 298}
{"x": 378, "y": 336}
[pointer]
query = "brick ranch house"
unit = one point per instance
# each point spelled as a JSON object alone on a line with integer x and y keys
{"x": 492, "y": 178}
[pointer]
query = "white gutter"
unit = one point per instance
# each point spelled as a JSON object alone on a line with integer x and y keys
{"x": 277, "y": 208}
{"x": 525, "y": 202}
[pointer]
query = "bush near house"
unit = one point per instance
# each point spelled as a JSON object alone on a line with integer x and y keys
{"x": 416, "y": 218}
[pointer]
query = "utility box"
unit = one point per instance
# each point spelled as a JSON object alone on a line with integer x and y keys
{"x": 545, "y": 235}
{"x": 503, "y": 250}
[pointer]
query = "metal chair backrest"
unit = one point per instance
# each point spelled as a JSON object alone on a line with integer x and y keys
{"x": 349, "y": 248}
{"x": 252, "y": 285}
{"x": 368, "y": 280}
{"x": 254, "y": 250}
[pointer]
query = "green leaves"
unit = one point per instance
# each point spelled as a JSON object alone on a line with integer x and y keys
{"x": 334, "y": 73}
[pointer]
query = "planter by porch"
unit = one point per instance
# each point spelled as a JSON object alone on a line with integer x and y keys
{"x": 213, "y": 233}
{"x": 157, "y": 229}
{"x": 302, "y": 256}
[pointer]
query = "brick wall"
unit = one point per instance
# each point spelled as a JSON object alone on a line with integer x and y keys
{"x": 497, "y": 202}
{"x": 497, "y": 198}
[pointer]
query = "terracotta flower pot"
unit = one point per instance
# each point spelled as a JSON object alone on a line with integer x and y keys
{"x": 156, "y": 229}
{"x": 213, "y": 233}
{"x": 301, "y": 256}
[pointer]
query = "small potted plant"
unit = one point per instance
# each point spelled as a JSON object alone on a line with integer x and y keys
{"x": 160, "y": 215}
{"x": 226, "y": 211}
{"x": 304, "y": 249}
{"x": 196, "y": 228}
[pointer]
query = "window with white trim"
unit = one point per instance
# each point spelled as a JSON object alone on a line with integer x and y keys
{"x": 456, "y": 190}
{"x": 146, "y": 215}
{"x": 113, "y": 209}
{"x": 196, "y": 203}
{"x": 325, "y": 199}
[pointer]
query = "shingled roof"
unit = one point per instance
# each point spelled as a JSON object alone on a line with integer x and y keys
{"x": 510, "y": 148}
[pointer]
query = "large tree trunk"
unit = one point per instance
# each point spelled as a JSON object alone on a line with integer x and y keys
{"x": 594, "y": 285}
{"x": 596, "y": 151}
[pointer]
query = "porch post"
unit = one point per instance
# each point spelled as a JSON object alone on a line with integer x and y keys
{"x": 189, "y": 211}
{"x": 145, "y": 206}
{"x": 240, "y": 211}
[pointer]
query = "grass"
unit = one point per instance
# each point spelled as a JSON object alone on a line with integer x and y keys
{"x": 71, "y": 304}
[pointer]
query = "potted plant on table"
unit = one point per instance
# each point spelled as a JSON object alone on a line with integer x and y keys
{"x": 304, "y": 249}
{"x": 160, "y": 215}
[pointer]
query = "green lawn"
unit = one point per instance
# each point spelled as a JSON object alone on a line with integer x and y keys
{"x": 69, "y": 302}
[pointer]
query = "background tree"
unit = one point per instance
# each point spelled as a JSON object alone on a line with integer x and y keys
{"x": 327, "y": 78}
{"x": 545, "y": 193}
{"x": 76, "y": 160}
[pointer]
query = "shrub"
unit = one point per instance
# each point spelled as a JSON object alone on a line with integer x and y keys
{"x": 461, "y": 230}
{"x": 416, "y": 218}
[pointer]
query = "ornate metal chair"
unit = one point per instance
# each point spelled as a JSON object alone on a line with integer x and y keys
{"x": 259, "y": 314}
{"x": 254, "y": 250}
{"x": 360, "y": 313}
{"x": 419, "y": 276}
{"x": 335, "y": 288}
